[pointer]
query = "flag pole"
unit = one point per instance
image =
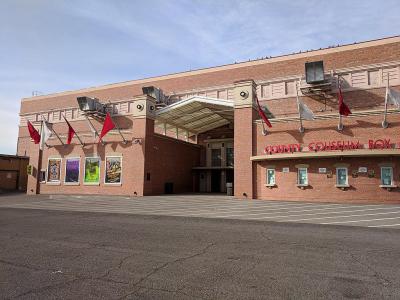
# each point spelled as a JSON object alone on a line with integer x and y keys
{"x": 301, "y": 129}
{"x": 77, "y": 136}
{"x": 55, "y": 133}
{"x": 340, "y": 125}
{"x": 95, "y": 131}
{"x": 385, "y": 124}
{"x": 41, "y": 131}
{"x": 119, "y": 130}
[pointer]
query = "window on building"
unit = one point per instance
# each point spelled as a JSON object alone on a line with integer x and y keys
{"x": 341, "y": 176}
{"x": 270, "y": 176}
{"x": 229, "y": 157}
{"x": 387, "y": 176}
{"x": 42, "y": 176}
{"x": 302, "y": 178}
{"x": 215, "y": 157}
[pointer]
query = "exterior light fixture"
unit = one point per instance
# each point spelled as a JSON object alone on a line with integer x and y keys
{"x": 244, "y": 94}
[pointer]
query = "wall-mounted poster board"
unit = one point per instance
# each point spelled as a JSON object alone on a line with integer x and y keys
{"x": 113, "y": 172}
{"x": 92, "y": 171}
{"x": 72, "y": 170}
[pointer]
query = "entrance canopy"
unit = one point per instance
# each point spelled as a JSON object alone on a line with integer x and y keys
{"x": 196, "y": 114}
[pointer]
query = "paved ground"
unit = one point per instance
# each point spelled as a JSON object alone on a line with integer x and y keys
{"x": 77, "y": 255}
{"x": 212, "y": 206}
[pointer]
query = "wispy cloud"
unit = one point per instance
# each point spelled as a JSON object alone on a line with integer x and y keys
{"x": 53, "y": 46}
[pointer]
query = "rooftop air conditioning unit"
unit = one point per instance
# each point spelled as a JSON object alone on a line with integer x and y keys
{"x": 315, "y": 72}
{"x": 154, "y": 92}
{"x": 87, "y": 104}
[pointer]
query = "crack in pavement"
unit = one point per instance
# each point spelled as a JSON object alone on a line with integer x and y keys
{"x": 17, "y": 265}
{"x": 164, "y": 265}
{"x": 44, "y": 288}
{"x": 177, "y": 291}
{"x": 76, "y": 277}
{"x": 381, "y": 279}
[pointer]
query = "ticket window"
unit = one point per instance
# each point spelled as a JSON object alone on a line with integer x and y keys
{"x": 341, "y": 177}
{"x": 387, "y": 176}
{"x": 270, "y": 177}
{"x": 302, "y": 177}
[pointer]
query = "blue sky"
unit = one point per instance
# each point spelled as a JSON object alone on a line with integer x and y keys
{"x": 55, "y": 45}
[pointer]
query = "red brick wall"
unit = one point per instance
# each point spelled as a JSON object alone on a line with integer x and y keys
{"x": 265, "y": 71}
{"x": 13, "y": 174}
{"x": 244, "y": 143}
{"x": 170, "y": 160}
{"x": 133, "y": 169}
{"x": 323, "y": 188}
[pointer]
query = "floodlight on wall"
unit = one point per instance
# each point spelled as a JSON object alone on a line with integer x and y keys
{"x": 315, "y": 72}
{"x": 244, "y": 94}
{"x": 154, "y": 92}
{"x": 90, "y": 105}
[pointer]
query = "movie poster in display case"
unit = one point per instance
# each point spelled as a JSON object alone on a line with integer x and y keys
{"x": 72, "y": 170}
{"x": 54, "y": 170}
{"x": 113, "y": 172}
{"x": 92, "y": 170}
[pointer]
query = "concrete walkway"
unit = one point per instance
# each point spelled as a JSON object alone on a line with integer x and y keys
{"x": 217, "y": 206}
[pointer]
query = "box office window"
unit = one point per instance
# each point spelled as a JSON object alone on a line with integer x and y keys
{"x": 302, "y": 177}
{"x": 341, "y": 176}
{"x": 215, "y": 157}
{"x": 387, "y": 176}
{"x": 270, "y": 176}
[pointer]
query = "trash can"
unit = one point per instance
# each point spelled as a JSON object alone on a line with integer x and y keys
{"x": 229, "y": 189}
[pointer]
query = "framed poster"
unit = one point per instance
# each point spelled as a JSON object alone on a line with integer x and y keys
{"x": 285, "y": 170}
{"x": 92, "y": 170}
{"x": 54, "y": 170}
{"x": 72, "y": 170}
{"x": 113, "y": 171}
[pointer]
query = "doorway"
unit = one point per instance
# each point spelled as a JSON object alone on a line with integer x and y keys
{"x": 216, "y": 181}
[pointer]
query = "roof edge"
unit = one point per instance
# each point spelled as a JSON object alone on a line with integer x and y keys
{"x": 327, "y": 50}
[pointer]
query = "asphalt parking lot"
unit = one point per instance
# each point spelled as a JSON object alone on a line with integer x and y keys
{"x": 219, "y": 207}
{"x": 56, "y": 254}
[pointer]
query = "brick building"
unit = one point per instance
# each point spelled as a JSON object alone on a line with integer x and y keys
{"x": 13, "y": 173}
{"x": 198, "y": 130}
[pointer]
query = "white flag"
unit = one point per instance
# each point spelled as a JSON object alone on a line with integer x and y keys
{"x": 45, "y": 134}
{"x": 305, "y": 112}
{"x": 394, "y": 97}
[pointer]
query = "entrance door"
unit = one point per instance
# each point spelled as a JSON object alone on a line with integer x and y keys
{"x": 215, "y": 181}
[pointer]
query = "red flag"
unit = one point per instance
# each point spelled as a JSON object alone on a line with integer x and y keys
{"x": 71, "y": 132}
{"x": 262, "y": 114}
{"x": 107, "y": 126}
{"x": 344, "y": 110}
{"x": 33, "y": 133}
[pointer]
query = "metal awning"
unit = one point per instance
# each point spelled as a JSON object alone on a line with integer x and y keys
{"x": 196, "y": 114}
